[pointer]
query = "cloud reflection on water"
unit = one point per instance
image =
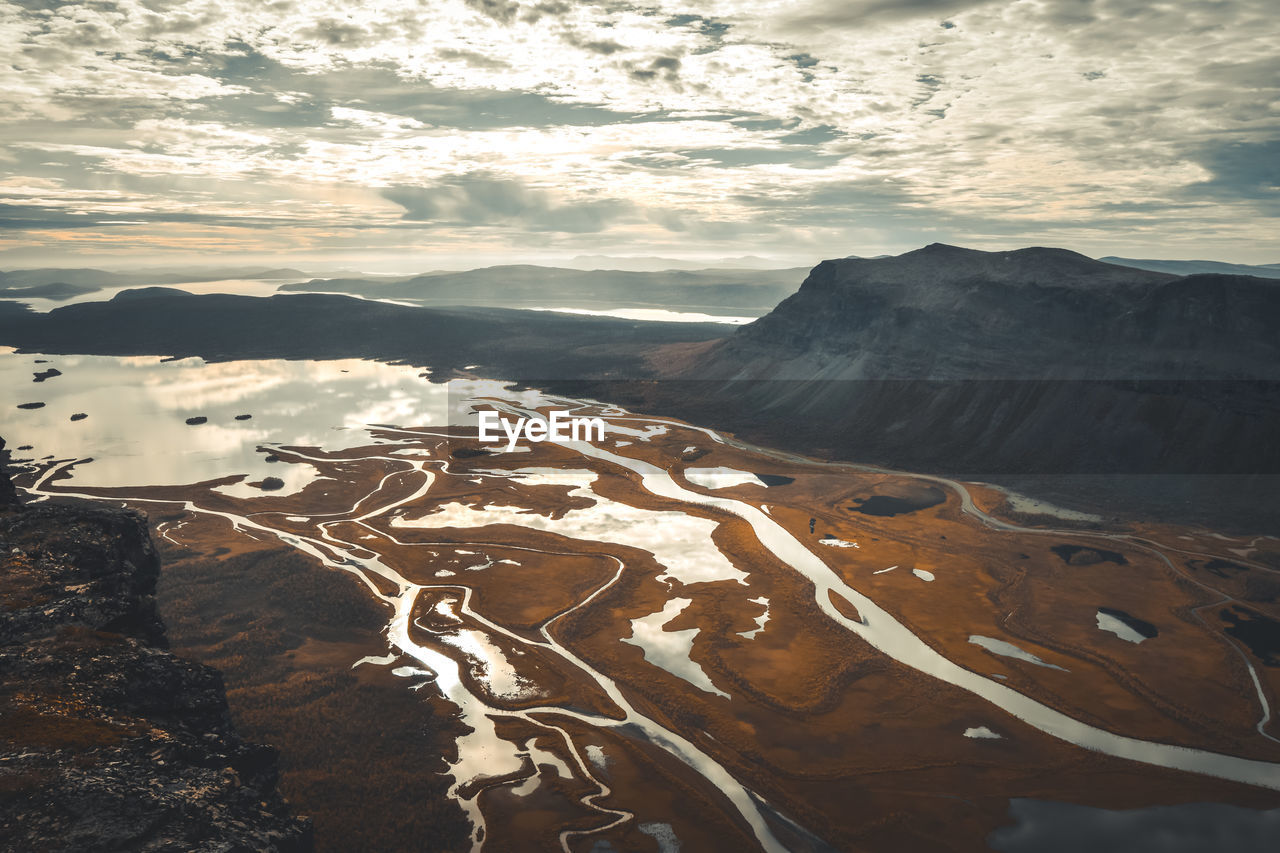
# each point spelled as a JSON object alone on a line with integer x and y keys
{"x": 137, "y": 408}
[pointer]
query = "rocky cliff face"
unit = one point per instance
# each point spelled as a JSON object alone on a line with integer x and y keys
{"x": 107, "y": 740}
{"x": 946, "y": 313}
{"x": 8, "y": 495}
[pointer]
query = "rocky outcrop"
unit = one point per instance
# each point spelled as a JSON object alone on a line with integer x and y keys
{"x": 107, "y": 740}
{"x": 8, "y": 495}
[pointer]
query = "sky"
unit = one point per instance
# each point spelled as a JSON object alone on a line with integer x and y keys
{"x": 401, "y": 135}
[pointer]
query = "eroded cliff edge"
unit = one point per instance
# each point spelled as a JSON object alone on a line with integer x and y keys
{"x": 107, "y": 740}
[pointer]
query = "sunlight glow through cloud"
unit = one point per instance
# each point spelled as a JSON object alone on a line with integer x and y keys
{"x": 801, "y": 130}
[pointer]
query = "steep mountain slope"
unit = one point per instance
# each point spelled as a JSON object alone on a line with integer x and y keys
{"x": 943, "y": 312}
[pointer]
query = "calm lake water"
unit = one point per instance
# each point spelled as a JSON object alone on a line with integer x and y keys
{"x": 137, "y": 408}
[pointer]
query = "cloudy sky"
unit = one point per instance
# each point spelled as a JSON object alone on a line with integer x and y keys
{"x": 408, "y": 134}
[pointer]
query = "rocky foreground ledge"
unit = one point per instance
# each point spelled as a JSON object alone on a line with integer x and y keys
{"x": 107, "y": 740}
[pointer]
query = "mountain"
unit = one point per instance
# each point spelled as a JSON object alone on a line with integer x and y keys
{"x": 993, "y": 365}
{"x": 750, "y": 292}
{"x": 1193, "y": 267}
{"x": 219, "y": 327}
{"x": 944, "y": 312}
{"x": 184, "y": 274}
{"x": 656, "y": 264}
{"x": 110, "y": 742}
{"x": 1037, "y": 363}
{"x": 55, "y": 283}
{"x": 56, "y": 290}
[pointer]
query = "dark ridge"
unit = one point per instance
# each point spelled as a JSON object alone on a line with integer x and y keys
{"x": 109, "y": 741}
{"x": 742, "y": 291}
{"x": 56, "y": 290}
{"x": 147, "y": 293}
{"x": 1194, "y": 267}
{"x": 31, "y": 282}
{"x": 196, "y": 421}
{"x": 512, "y": 344}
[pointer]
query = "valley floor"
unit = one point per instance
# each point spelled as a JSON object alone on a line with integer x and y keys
{"x": 639, "y": 645}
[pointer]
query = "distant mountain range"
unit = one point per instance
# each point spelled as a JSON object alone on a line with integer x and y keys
{"x": 65, "y": 283}
{"x": 1036, "y": 362}
{"x": 1194, "y": 267}
{"x": 750, "y": 292}
{"x": 502, "y": 343}
{"x": 737, "y": 292}
{"x": 656, "y": 264}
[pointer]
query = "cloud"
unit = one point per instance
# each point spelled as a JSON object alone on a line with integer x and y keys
{"x": 335, "y": 32}
{"x": 480, "y": 200}
{"x": 602, "y": 46}
{"x": 1241, "y": 171}
{"x": 503, "y": 11}
{"x": 473, "y": 58}
{"x": 1113, "y": 123}
{"x": 29, "y": 217}
{"x": 663, "y": 67}
{"x": 843, "y": 14}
